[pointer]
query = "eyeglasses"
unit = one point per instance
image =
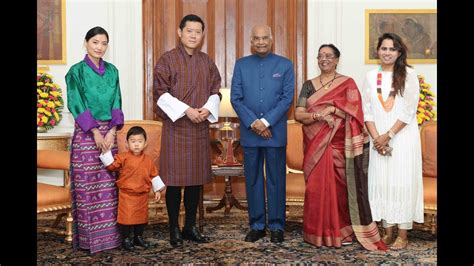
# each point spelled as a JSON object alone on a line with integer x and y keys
{"x": 326, "y": 57}
{"x": 258, "y": 38}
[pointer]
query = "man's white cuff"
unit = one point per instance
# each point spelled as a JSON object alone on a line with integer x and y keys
{"x": 173, "y": 107}
{"x": 212, "y": 105}
{"x": 265, "y": 122}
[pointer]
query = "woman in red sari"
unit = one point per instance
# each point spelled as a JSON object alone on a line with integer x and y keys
{"x": 336, "y": 206}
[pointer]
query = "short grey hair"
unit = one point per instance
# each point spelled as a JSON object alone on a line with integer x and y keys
{"x": 266, "y": 27}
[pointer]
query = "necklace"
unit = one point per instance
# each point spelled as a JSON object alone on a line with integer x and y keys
{"x": 327, "y": 84}
{"x": 388, "y": 104}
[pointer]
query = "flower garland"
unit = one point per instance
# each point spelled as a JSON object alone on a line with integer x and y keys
{"x": 49, "y": 101}
{"x": 426, "y": 103}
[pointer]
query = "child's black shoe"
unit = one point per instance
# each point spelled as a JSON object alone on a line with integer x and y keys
{"x": 127, "y": 244}
{"x": 139, "y": 241}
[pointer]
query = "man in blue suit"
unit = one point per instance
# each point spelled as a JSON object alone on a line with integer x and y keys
{"x": 261, "y": 94}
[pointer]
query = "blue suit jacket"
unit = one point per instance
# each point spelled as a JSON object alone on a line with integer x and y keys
{"x": 263, "y": 88}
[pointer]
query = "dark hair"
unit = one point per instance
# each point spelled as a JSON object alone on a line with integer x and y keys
{"x": 399, "y": 69}
{"x": 95, "y": 31}
{"x": 337, "y": 54}
{"x": 190, "y": 17}
{"x": 136, "y": 130}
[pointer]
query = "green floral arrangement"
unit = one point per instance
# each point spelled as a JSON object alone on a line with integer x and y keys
{"x": 426, "y": 103}
{"x": 49, "y": 102}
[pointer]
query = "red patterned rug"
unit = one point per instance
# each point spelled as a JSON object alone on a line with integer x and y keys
{"x": 227, "y": 247}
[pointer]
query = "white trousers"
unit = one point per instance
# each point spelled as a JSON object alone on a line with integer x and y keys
{"x": 404, "y": 226}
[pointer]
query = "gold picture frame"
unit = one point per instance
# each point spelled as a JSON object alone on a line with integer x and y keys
{"x": 51, "y": 32}
{"x": 417, "y": 28}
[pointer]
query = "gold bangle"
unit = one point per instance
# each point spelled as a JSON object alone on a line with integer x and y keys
{"x": 317, "y": 116}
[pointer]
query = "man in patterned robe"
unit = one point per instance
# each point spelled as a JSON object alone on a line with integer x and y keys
{"x": 186, "y": 86}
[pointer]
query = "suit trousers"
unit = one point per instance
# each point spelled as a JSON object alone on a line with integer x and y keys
{"x": 274, "y": 159}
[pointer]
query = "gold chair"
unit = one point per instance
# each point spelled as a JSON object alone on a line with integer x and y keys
{"x": 428, "y": 136}
{"x": 51, "y": 198}
{"x": 295, "y": 183}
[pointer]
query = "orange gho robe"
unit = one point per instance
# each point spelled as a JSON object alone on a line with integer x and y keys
{"x": 134, "y": 183}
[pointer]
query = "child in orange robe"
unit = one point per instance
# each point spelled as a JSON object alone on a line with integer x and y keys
{"x": 137, "y": 175}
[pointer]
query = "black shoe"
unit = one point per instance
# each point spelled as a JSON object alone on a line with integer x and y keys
{"x": 176, "y": 240}
{"x": 254, "y": 235}
{"x": 276, "y": 236}
{"x": 127, "y": 244}
{"x": 193, "y": 234}
{"x": 139, "y": 241}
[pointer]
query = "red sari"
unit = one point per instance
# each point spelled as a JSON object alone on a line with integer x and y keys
{"x": 336, "y": 206}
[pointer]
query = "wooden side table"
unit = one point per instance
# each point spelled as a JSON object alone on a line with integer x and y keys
{"x": 228, "y": 200}
{"x": 53, "y": 141}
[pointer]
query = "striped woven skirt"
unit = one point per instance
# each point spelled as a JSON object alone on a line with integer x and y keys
{"x": 94, "y": 195}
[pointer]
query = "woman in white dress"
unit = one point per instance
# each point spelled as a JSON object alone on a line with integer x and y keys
{"x": 390, "y": 99}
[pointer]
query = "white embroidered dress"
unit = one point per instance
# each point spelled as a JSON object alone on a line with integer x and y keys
{"x": 395, "y": 182}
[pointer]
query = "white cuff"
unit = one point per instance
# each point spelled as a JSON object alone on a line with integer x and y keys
{"x": 107, "y": 158}
{"x": 368, "y": 117}
{"x": 212, "y": 105}
{"x": 407, "y": 117}
{"x": 173, "y": 107}
{"x": 157, "y": 183}
{"x": 264, "y": 121}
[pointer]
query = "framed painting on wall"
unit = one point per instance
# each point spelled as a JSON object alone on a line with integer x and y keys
{"x": 51, "y": 32}
{"x": 417, "y": 28}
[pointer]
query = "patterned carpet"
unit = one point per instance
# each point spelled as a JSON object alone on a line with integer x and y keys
{"x": 228, "y": 247}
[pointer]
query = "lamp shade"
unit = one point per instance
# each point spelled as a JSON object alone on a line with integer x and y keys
{"x": 225, "y": 107}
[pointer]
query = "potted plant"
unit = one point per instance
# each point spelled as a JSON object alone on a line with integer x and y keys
{"x": 49, "y": 102}
{"x": 426, "y": 103}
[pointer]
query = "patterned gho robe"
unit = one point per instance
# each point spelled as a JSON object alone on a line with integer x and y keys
{"x": 182, "y": 81}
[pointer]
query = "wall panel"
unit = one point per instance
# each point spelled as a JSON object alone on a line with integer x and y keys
{"x": 227, "y": 34}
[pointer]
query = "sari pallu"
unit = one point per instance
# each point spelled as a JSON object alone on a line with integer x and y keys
{"x": 335, "y": 167}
